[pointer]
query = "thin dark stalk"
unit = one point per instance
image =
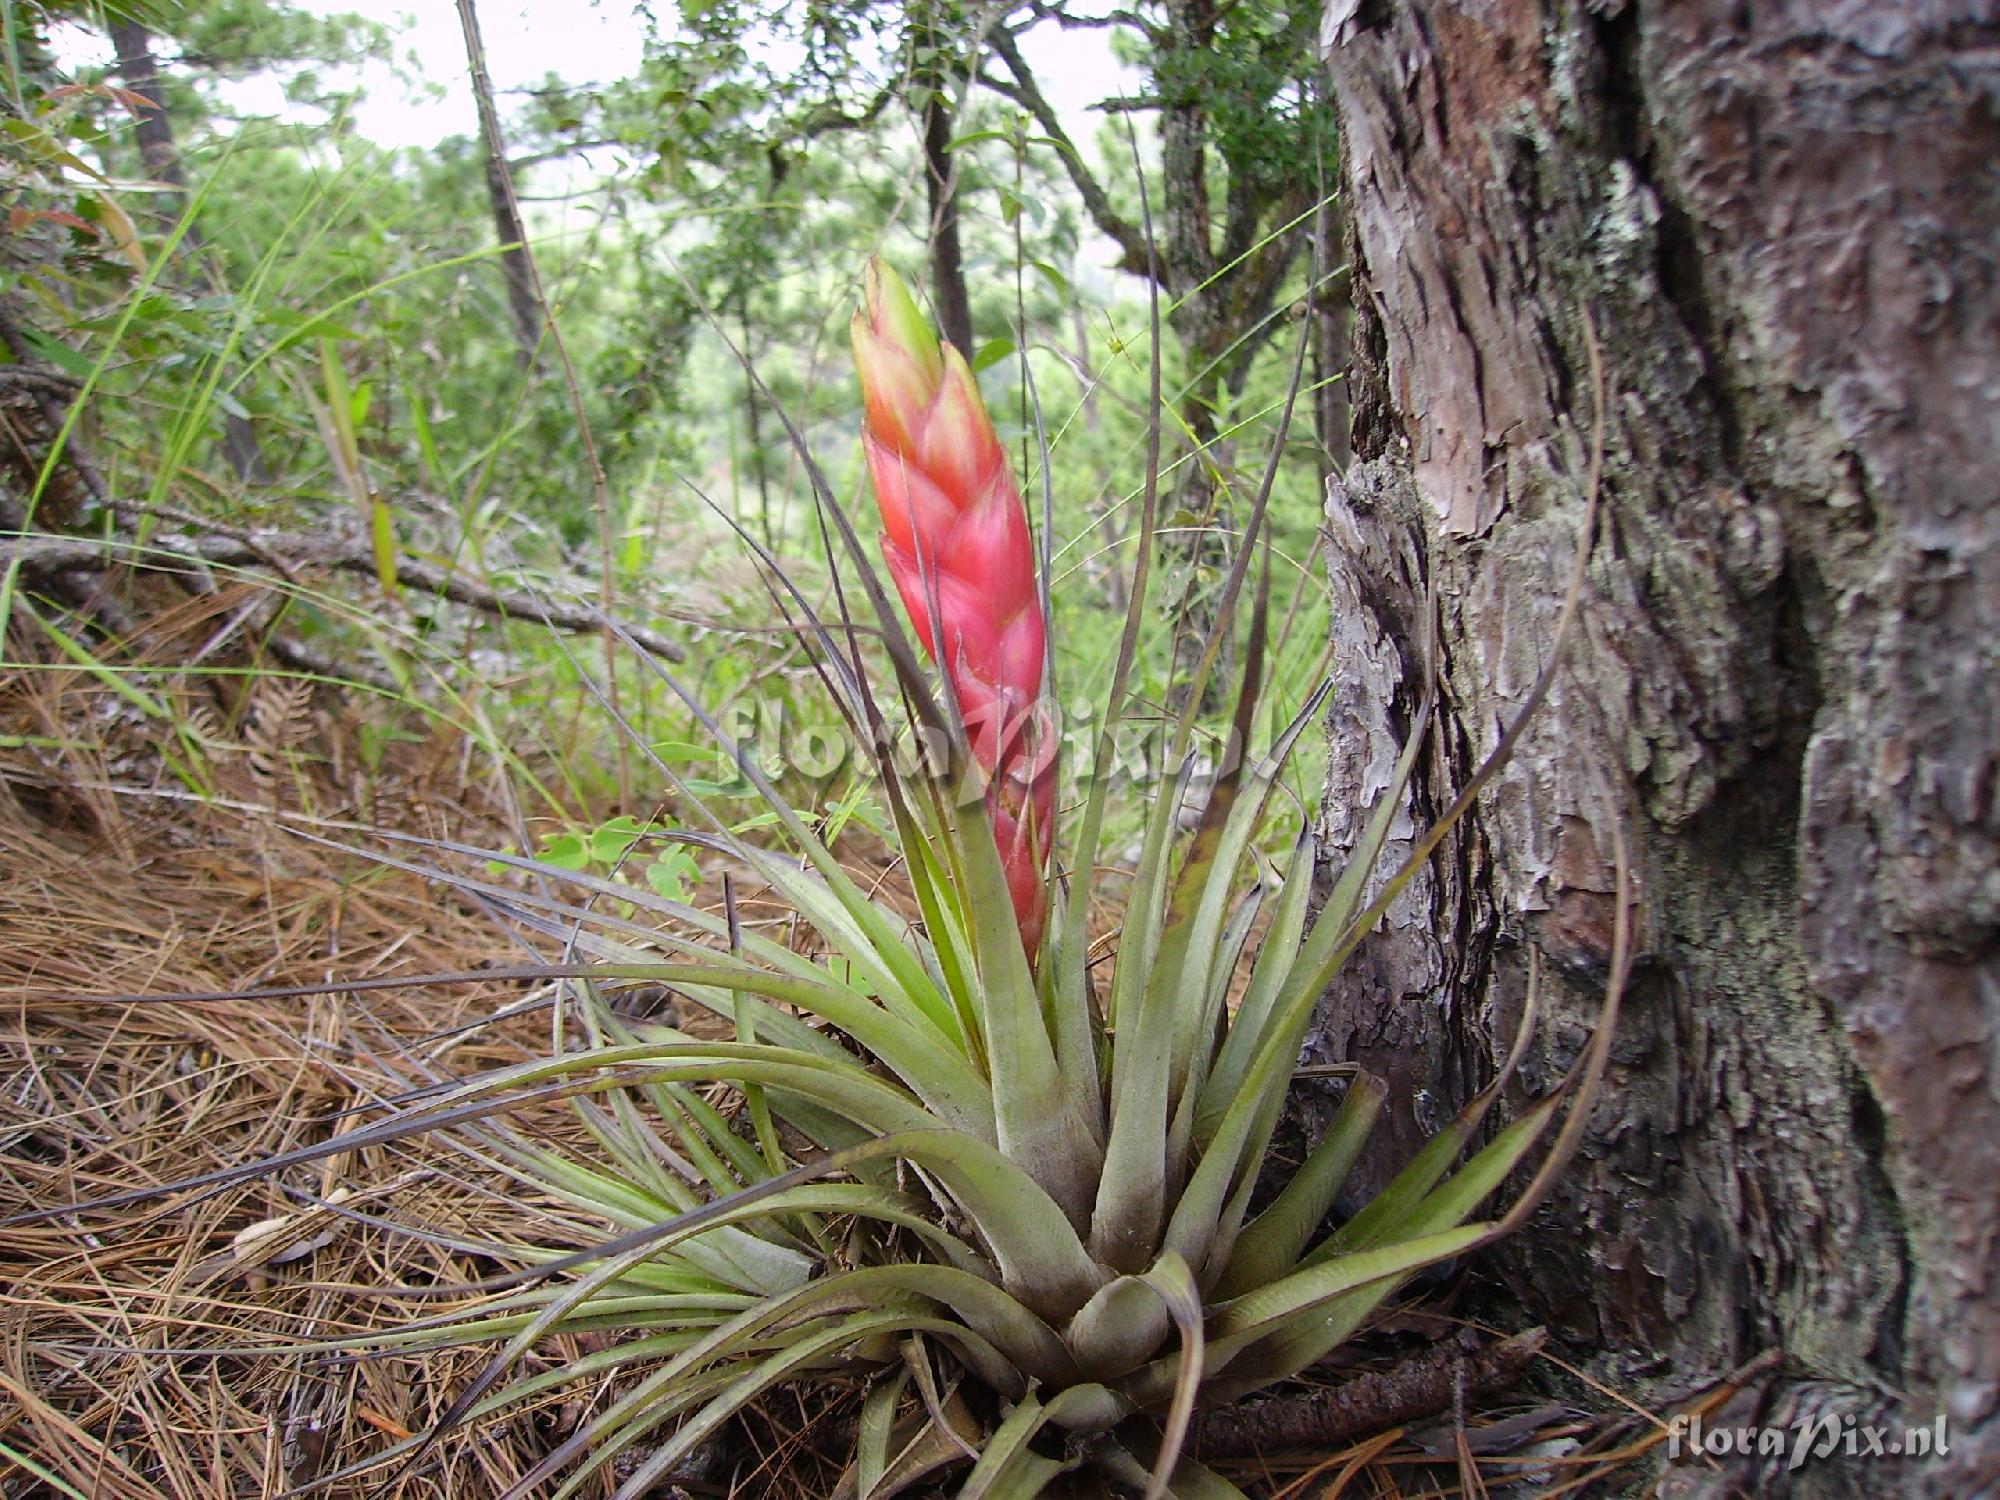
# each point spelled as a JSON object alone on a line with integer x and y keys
{"x": 600, "y": 489}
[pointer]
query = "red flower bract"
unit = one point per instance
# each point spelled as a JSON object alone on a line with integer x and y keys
{"x": 955, "y": 536}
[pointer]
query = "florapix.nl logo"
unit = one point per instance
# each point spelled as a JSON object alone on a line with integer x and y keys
{"x": 1825, "y": 1436}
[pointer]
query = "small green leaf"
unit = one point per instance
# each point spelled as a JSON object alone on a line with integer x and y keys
{"x": 701, "y": 786}
{"x": 427, "y": 447}
{"x": 991, "y": 353}
{"x": 681, "y": 753}
{"x": 973, "y": 138}
{"x": 382, "y": 533}
{"x": 672, "y": 876}
{"x": 613, "y": 840}
{"x": 58, "y": 354}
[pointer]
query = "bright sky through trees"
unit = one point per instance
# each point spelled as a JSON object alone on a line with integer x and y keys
{"x": 526, "y": 40}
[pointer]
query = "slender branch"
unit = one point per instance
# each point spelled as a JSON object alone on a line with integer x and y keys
{"x": 522, "y": 303}
{"x": 519, "y": 164}
{"x": 1068, "y": 22}
{"x": 578, "y": 195}
{"x": 1024, "y": 91}
{"x": 825, "y": 119}
{"x": 600, "y": 485}
{"x": 949, "y": 294}
{"x": 48, "y": 381}
{"x": 288, "y": 551}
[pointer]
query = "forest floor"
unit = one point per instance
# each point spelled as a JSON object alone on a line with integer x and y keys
{"x": 149, "y": 1349}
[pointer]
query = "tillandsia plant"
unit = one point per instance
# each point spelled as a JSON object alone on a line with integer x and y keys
{"x": 1014, "y": 1191}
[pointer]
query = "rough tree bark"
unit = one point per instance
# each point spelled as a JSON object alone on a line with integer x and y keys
{"x": 1779, "y": 219}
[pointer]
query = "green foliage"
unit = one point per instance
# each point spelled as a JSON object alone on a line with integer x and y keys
{"x": 1047, "y": 1168}
{"x": 1252, "y": 80}
{"x": 1048, "y": 1172}
{"x": 609, "y": 849}
{"x": 234, "y": 38}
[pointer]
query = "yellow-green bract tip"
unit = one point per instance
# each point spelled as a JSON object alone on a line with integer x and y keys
{"x": 895, "y": 317}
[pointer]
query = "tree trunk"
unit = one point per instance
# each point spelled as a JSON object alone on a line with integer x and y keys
{"x": 1333, "y": 415}
{"x": 1198, "y": 548}
{"x": 523, "y": 307}
{"x": 153, "y": 129}
{"x": 1779, "y": 221}
{"x": 948, "y": 290}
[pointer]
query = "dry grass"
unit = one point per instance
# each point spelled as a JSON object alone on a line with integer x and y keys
{"x": 131, "y": 1342}
{"x": 151, "y": 1350}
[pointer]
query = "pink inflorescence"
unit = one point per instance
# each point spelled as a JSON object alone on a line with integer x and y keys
{"x": 955, "y": 534}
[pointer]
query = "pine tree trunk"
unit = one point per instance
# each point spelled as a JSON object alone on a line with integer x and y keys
{"x": 153, "y": 129}
{"x": 523, "y": 306}
{"x": 1779, "y": 219}
{"x": 949, "y": 293}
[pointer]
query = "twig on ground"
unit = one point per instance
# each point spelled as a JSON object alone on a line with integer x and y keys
{"x": 1421, "y": 1386}
{"x": 65, "y": 554}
